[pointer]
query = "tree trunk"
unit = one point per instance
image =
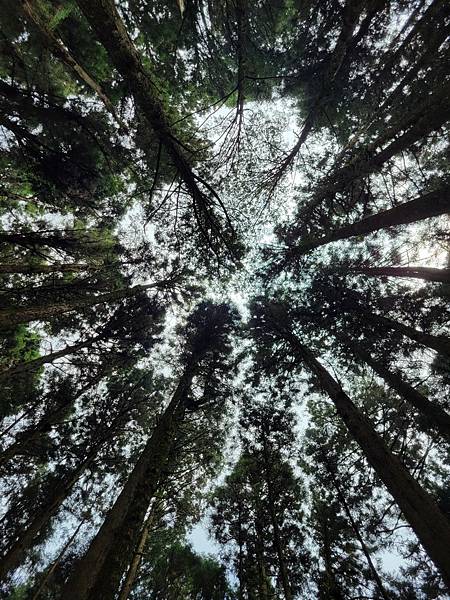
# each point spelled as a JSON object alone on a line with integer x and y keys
{"x": 37, "y": 269}
{"x": 284, "y": 578}
{"x": 333, "y": 591}
{"x": 9, "y": 317}
{"x": 439, "y": 343}
{"x": 98, "y": 573}
{"x": 14, "y": 555}
{"x": 429, "y": 524}
{"x": 429, "y": 205}
{"x": 436, "y": 417}
{"x": 426, "y": 273}
{"x": 33, "y": 365}
{"x": 137, "y": 557}
{"x": 364, "y": 548}
{"x": 51, "y": 570}
{"x": 110, "y": 30}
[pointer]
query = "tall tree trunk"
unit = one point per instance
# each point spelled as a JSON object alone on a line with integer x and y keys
{"x": 32, "y": 10}
{"x": 416, "y": 124}
{"x": 439, "y": 343}
{"x": 284, "y": 577}
{"x": 55, "y": 564}
{"x": 110, "y": 30}
{"x": 98, "y": 573}
{"x": 432, "y": 204}
{"x": 364, "y": 547}
{"x": 332, "y": 588}
{"x": 36, "y": 363}
{"x": 426, "y": 273}
{"x": 31, "y": 269}
{"x": 16, "y": 551}
{"x": 9, "y": 317}
{"x": 429, "y": 524}
{"x": 436, "y": 417}
{"x": 137, "y": 557}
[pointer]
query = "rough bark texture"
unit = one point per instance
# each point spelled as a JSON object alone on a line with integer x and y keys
{"x": 429, "y": 205}
{"x": 429, "y": 524}
{"x": 97, "y": 575}
{"x": 14, "y": 555}
{"x": 426, "y": 273}
{"x": 439, "y": 343}
{"x": 435, "y": 416}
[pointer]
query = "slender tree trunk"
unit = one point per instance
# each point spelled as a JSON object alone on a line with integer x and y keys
{"x": 37, "y": 269}
{"x": 416, "y": 124}
{"x": 15, "y": 553}
{"x": 51, "y": 570}
{"x": 439, "y": 343}
{"x": 429, "y": 524}
{"x": 33, "y": 365}
{"x": 436, "y": 417}
{"x": 110, "y": 30}
{"x": 137, "y": 557}
{"x": 32, "y": 10}
{"x": 276, "y": 530}
{"x": 429, "y": 205}
{"x": 364, "y": 548}
{"x": 333, "y": 590}
{"x": 98, "y": 573}
{"x": 426, "y": 273}
{"x": 9, "y": 317}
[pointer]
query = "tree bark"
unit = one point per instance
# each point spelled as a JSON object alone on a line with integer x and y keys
{"x": 30, "y": 269}
{"x": 432, "y": 204}
{"x": 276, "y": 530}
{"x": 425, "y": 273}
{"x": 427, "y": 521}
{"x": 9, "y": 317}
{"x": 137, "y": 557}
{"x": 436, "y": 417}
{"x": 439, "y": 343}
{"x": 98, "y": 573}
{"x": 33, "y": 365}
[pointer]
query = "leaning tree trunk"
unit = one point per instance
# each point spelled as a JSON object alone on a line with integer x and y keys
{"x": 426, "y": 206}
{"x": 37, "y": 269}
{"x": 110, "y": 30}
{"x": 429, "y": 524}
{"x": 13, "y": 556}
{"x": 372, "y": 568}
{"x": 439, "y": 343}
{"x": 435, "y": 416}
{"x": 137, "y": 557}
{"x": 33, "y": 365}
{"x": 425, "y": 273}
{"x": 9, "y": 317}
{"x": 98, "y": 574}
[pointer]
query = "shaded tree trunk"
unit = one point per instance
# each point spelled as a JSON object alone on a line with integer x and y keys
{"x": 9, "y": 317}
{"x": 98, "y": 573}
{"x": 426, "y": 273}
{"x": 31, "y": 269}
{"x": 364, "y": 548}
{"x": 435, "y": 416}
{"x": 137, "y": 557}
{"x": 432, "y": 204}
{"x": 429, "y": 524}
{"x": 284, "y": 578}
{"x": 33, "y": 365}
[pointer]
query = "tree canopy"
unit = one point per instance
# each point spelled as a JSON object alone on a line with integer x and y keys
{"x": 225, "y": 277}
